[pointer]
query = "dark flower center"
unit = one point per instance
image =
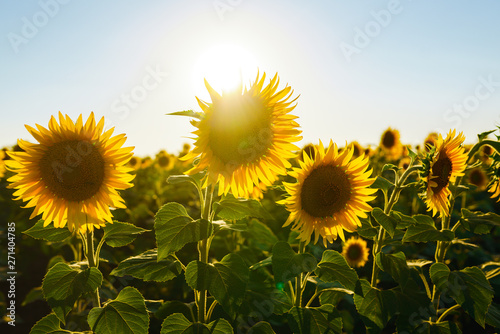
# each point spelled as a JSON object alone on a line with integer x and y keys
{"x": 325, "y": 191}
{"x": 389, "y": 139}
{"x": 442, "y": 168}
{"x": 73, "y": 169}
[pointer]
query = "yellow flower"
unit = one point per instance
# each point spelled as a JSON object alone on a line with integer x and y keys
{"x": 245, "y": 138}
{"x": 447, "y": 164}
{"x": 72, "y": 174}
{"x": 355, "y": 252}
{"x": 358, "y": 150}
{"x": 404, "y": 163}
{"x": 391, "y": 144}
{"x": 478, "y": 177}
{"x": 306, "y": 149}
{"x": 430, "y": 141}
{"x": 2, "y": 163}
{"x": 164, "y": 160}
{"x": 330, "y": 194}
{"x": 134, "y": 162}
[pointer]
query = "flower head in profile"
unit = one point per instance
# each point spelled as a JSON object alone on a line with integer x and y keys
{"x": 245, "y": 138}
{"x": 448, "y": 162}
{"x": 391, "y": 144}
{"x": 70, "y": 177}
{"x": 430, "y": 141}
{"x": 330, "y": 195}
{"x": 355, "y": 252}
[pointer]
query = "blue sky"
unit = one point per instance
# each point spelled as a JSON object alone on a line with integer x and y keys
{"x": 358, "y": 66}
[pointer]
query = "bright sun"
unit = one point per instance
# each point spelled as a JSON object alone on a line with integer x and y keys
{"x": 225, "y": 67}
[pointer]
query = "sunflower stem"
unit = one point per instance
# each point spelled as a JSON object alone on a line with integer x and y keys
{"x": 299, "y": 286}
{"x": 448, "y": 311}
{"x": 91, "y": 258}
{"x": 203, "y": 249}
{"x": 379, "y": 241}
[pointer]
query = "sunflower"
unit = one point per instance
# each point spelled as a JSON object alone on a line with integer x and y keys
{"x": 478, "y": 177}
{"x": 307, "y": 149}
{"x": 72, "y": 174}
{"x": 404, "y": 162}
{"x": 245, "y": 138}
{"x": 448, "y": 162}
{"x": 2, "y": 163}
{"x": 134, "y": 162}
{"x": 430, "y": 141}
{"x": 391, "y": 144}
{"x": 357, "y": 149}
{"x": 355, "y": 252}
{"x": 164, "y": 160}
{"x": 330, "y": 194}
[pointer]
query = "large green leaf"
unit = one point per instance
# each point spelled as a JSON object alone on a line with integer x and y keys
{"x": 230, "y": 208}
{"x": 427, "y": 233}
{"x": 395, "y": 265}
{"x": 173, "y": 306}
{"x": 174, "y": 229}
{"x": 479, "y": 222}
{"x": 493, "y": 315}
{"x": 225, "y": 280}
{"x": 178, "y": 324}
{"x": 376, "y": 307}
{"x": 261, "y": 236}
{"x": 315, "y": 320}
{"x": 261, "y": 327}
{"x": 468, "y": 287}
{"x": 287, "y": 264}
{"x": 127, "y": 314}
{"x": 386, "y": 221}
{"x": 334, "y": 268}
{"x": 48, "y": 233}
{"x": 50, "y": 324}
{"x": 382, "y": 184}
{"x": 146, "y": 267}
{"x": 120, "y": 234}
{"x": 63, "y": 285}
{"x": 446, "y": 327}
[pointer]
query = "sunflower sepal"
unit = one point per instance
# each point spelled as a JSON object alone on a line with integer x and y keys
{"x": 189, "y": 113}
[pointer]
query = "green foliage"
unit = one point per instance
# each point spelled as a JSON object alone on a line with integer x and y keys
{"x": 225, "y": 280}
{"x": 178, "y": 324}
{"x": 376, "y": 307}
{"x": 147, "y": 267}
{"x": 230, "y": 208}
{"x": 121, "y": 234}
{"x": 334, "y": 268}
{"x": 315, "y": 320}
{"x": 63, "y": 285}
{"x": 175, "y": 228}
{"x": 427, "y": 233}
{"x": 395, "y": 265}
{"x": 49, "y": 232}
{"x": 126, "y": 314}
{"x": 50, "y": 324}
{"x": 287, "y": 264}
{"x": 386, "y": 221}
{"x": 479, "y": 222}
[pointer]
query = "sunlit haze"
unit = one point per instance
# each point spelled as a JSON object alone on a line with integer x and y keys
{"x": 359, "y": 67}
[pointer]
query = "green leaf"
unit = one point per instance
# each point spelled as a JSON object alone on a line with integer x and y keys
{"x": 479, "y": 222}
{"x": 127, "y": 314}
{"x": 390, "y": 167}
{"x": 468, "y": 287}
{"x": 411, "y": 154}
{"x": 334, "y": 268}
{"x": 264, "y": 263}
{"x": 439, "y": 273}
{"x": 49, "y": 232}
{"x": 426, "y": 233}
{"x": 287, "y": 264}
{"x": 120, "y": 234}
{"x": 377, "y": 307}
{"x": 261, "y": 327}
{"x": 178, "y": 324}
{"x": 225, "y": 280}
{"x": 395, "y": 265}
{"x": 147, "y": 267}
{"x": 174, "y": 229}
{"x": 418, "y": 263}
{"x": 485, "y": 134}
{"x": 387, "y": 222}
{"x": 382, "y": 184}
{"x": 170, "y": 307}
{"x": 262, "y": 237}
{"x": 403, "y": 221}
{"x": 424, "y": 219}
{"x": 493, "y": 315}
{"x": 50, "y": 324}
{"x": 63, "y": 285}
{"x": 315, "y": 320}
{"x": 332, "y": 295}
{"x": 446, "y": 327}
{"x": 189, "y": 113}
{"x": 34, "y": 295}
{"x": 367, "y": 230}
{"x": 230, "y": 208}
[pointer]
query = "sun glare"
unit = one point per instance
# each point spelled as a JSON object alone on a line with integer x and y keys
{"x": 225, "y": 67}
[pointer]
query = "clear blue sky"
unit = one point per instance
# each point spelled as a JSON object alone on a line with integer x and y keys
{"x": 358, "y": 66}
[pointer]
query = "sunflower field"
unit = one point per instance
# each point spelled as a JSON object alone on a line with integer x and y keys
{"x": 242, "y": 231}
